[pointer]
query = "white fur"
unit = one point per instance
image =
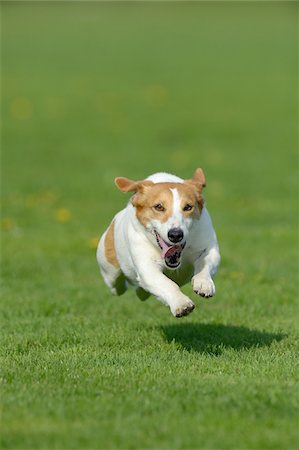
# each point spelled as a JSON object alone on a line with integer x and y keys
{"x": 140, "y": 257}
{"x": 162, "y": 177}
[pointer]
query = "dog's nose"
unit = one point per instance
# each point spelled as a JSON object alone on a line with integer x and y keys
{"x": 175, "y": 235}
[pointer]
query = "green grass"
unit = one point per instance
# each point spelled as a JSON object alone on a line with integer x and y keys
{"x": 97, "y": 90}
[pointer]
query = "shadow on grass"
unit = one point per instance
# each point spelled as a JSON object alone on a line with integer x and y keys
{"x": 214, "y": 338}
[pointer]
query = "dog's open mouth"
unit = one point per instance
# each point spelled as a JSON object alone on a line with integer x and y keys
{"x": 170, "y": 253}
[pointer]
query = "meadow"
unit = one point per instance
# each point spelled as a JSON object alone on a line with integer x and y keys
{"x": 91, "y": 91}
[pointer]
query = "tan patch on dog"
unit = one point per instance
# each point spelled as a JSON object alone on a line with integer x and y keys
{"x": 110, "y": 252}
{"x": 146, "y": 199}
{"x": 190, "y": 195}
{"x": 159, "y": 193}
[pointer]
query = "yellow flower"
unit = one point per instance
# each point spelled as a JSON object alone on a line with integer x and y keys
{"x": 7, "y": 224}
{"x": 45, "y": 198}
{"x": 180, "y": 158}
{"x": 93, "y": 243}
{"x": 63, "y": 215}
{"x": 21, "y": 108}
{"x": 155, "y": 95}
{"x": 237, "y": 275}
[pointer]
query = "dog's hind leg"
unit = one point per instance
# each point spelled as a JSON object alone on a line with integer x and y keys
{"x": 142, "y": 294}
{"x": 115, "y": 281}
{"x": 108, "y": 263}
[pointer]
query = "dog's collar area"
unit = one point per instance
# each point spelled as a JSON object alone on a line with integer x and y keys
{"x": 170, "y": 253}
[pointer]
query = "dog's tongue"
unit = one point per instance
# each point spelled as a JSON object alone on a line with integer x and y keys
{"x": 167, "y": 250}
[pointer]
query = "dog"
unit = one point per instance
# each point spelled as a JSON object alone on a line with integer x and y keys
{"x": 160, "y": 241}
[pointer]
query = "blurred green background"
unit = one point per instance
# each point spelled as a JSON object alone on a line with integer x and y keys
{"x": 95, "y": 90}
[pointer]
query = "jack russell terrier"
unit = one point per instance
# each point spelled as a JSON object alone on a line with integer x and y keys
{"x": 162, "y": 239}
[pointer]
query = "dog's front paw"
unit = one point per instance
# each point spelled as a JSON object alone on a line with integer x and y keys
{"x": 183, "y": 308}
{"x": 203, "y": 286}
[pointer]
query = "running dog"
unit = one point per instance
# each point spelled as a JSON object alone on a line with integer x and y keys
{"x": 160, "y": 241}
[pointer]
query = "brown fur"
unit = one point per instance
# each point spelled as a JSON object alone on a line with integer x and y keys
{"x": 147, "y": 197}
{"x": 110, "y": 252}
{"x": 148, "y": 194}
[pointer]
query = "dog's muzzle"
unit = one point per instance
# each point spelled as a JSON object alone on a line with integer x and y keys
{"x": 170, "y": 253}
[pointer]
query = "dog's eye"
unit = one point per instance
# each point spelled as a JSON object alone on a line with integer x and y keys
{"x": 159, "y": 207}
{"x": 188, "y": 207}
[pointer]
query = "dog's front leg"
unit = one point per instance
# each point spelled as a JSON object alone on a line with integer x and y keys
{"x": 150, "y": 277}
{"x": 154, "y": 281}
{"x": 205, "y": 266}
{"x": 168, "y": 292}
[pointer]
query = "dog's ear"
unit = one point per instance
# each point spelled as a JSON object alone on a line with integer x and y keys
{"x": 126, "y": 185}
{"x": 198, "y": 180}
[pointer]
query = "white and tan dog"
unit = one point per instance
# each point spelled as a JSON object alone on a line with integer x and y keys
{"x": 162, "y": 238}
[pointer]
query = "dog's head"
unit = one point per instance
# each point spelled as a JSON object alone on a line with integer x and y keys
{"x": 167, "y": 210}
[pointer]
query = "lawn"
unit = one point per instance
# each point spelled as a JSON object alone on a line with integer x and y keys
{"x": 91, "y": 91}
